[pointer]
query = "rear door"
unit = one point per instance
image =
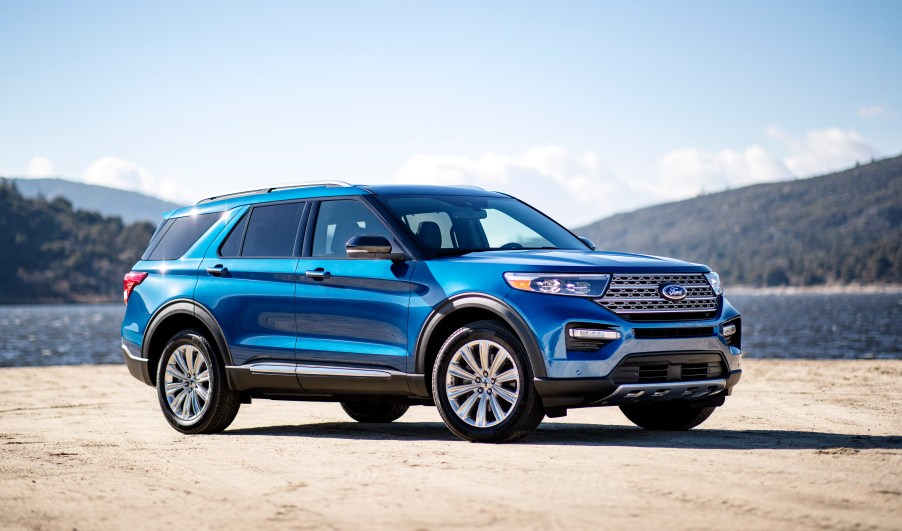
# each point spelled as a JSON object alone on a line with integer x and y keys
{"x": 351, "y": 311}
{"x": 247, "y": 280}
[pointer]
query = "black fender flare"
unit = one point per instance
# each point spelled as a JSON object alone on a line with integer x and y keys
{"x": 482, "y": 302}
{"x": 192, "y": 308}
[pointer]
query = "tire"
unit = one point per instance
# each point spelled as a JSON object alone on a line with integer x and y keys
{"x": 671, "y": 416}
{"x": 498, "y": 405}
{"x": 189, "y": 369}
{"x": 363, "y": 411}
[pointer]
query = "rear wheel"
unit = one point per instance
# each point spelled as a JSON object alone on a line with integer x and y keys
{"x": 482, "y": 385}
{"x": 192, "y": 387}
{"x": 673, "y": 416}
{"x": 362, "y": 411}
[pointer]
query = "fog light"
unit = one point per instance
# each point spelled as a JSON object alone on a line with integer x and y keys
{"x": 588, "y": 333}
{"x": 729, "y": 330}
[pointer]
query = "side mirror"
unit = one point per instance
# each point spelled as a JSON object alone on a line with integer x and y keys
{"x": 371, "y": 247}
{"x": 588, "y": 242}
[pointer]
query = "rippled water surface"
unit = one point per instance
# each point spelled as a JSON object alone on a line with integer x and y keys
{"x": 774, "y": 326}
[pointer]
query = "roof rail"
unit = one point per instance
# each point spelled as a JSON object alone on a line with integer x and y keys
{"x": 270, "y": 189}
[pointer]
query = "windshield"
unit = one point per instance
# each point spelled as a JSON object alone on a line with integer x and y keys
{"x": 455, "y": 225}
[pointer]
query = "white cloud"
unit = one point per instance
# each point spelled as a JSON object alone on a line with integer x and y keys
{"x": 575, "y": 189}
{"x": 872, "y": 111}
{"x": 689, "y": 171}
{"x": 40, "y": 167}
{"x": 118, "y": 173}
{"x": 823, "y": 150}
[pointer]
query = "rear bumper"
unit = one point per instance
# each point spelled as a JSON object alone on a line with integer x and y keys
{"x": 584, "y": 392}
{"x": 137, "y": 366}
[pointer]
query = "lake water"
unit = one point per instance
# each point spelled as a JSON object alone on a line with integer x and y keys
{"x": 834, "y": 326}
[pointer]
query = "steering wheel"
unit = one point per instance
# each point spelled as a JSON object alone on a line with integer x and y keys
{"x": 511, "y": 245}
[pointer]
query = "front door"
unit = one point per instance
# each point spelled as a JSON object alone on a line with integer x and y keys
{"x": 350, "y": 311}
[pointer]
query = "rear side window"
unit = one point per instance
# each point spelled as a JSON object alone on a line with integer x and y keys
{"x": 272, "y": 230}
{"x": 177, "y": 235}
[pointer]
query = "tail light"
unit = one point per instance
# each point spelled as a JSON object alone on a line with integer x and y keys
{"x": 131, "y": 280}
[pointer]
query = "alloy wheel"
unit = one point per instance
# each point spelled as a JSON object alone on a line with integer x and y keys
{"x": 482, "y": 383}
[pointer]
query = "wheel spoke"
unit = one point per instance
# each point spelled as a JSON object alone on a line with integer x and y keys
{"x": 500, "y": 357}
{"x": 464, "y": 410}
{"x": 174, "y": 387}
{"x": 484, "y": 347}
{"x": 180, "y": 360}
{"x": 203, "y": 376}
{"x": 195, "y": 404}
{"x": 467, "y": 355}
{"x": 496, "y": 409}
{"x": 177, "y": 401}
{"x": 480, "y": 411}
{"x": 203, "y": 393}
{"x": 509, "y": 375}
{"x": 173, "y": 371}
{"x": 457, "y": 390}
{"x": 186, "y": 405}
{"x": 460, "y": 372}
{"x": 199, "y": 362}
{"x": 506, "y": 394}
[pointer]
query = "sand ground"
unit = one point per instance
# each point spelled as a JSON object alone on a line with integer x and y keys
{"x": 801, "y": 444}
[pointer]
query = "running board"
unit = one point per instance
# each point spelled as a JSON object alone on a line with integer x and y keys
{"x": 659, "y": 392}
{"x": 317, "y": 379}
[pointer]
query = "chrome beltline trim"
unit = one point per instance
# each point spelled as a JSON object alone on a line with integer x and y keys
{"x": 311, "y": 370}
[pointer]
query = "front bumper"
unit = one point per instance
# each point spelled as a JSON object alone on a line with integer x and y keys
{"x": 585, "y": 392}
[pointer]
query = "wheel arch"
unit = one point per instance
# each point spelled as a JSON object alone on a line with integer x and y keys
{"x": 467, "y": 308}
{"x": 175, "y": 316}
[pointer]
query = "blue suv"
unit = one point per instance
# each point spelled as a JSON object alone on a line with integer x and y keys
{"x": 383, "y": 297}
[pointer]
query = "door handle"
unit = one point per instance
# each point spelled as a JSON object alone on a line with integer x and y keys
{"x": 218, "y": 270}
{"x": 318, "y": 274}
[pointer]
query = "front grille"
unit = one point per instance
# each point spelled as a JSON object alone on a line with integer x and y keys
{"x": 658, "y": 333}
{"x": 669, "y": 368}
{"x": 638, "y": 297}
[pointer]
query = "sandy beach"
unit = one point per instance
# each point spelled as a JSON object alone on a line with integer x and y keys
{"x": 801, "y": 444}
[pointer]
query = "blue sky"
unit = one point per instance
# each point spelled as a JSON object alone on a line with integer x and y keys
{"x": 583, "y": 109}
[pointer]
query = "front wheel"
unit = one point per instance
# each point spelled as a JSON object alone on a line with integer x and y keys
{"x": 192, "y": 387}
{"x": 482, "y": 385}
{"x": 672, "y": 416}
{"x": 362, "y": 411}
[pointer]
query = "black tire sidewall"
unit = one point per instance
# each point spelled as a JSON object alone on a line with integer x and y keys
{"x": 513, "y": 346}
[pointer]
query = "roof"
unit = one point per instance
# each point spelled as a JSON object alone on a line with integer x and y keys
{"x": 223, "y": 202}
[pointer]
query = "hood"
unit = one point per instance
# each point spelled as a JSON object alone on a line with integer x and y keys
{"x": 564, "y": 261}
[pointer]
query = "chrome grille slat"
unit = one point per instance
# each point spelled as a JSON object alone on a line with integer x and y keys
{"x": 635, "y": 294}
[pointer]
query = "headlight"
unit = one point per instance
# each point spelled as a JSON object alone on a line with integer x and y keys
{"x": 559, "y": 284}
{"x": 714, "y": 280}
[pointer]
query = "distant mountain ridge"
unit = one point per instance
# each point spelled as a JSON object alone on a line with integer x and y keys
{"x": 130, "y": 206}
{"x": 839, "y": 228}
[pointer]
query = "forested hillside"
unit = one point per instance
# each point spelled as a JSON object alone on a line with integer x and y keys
{"x": 130, "y": 206}
{"x": 840, "y": 228}
{"x": 50, "y": 252}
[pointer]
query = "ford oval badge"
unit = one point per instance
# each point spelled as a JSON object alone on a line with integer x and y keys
{"x": 673, "y": 292}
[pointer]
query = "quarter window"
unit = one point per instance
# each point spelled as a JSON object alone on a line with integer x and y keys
{"x": 177, "y": 235}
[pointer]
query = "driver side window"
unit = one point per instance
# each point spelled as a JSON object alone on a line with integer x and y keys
{"x": 339, "y": 221}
